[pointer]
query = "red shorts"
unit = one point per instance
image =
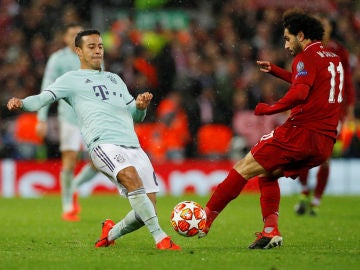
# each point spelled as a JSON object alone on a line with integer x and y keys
{"x": 292, "y": 149}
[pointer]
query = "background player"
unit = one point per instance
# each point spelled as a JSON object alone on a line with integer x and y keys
{"x": 106, "y": 113}
{"x": 314, "y": 99}
{"x": 60, "y": 62}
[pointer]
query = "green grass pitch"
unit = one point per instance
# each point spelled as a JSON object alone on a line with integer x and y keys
{"x": 34, "y": 237}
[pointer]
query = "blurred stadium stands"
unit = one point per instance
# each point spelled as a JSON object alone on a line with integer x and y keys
{"x": 204, "y": 50}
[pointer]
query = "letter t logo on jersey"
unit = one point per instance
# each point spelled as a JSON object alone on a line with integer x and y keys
{"x": 101, "y": 90}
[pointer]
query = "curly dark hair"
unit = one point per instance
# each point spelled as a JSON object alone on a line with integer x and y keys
{"x": 297, "y": 21}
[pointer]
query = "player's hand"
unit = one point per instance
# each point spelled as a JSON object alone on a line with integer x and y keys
{"x": 14, "y": 104}
{"x": 41, "y": 129}
{"x": 143, "y": 100}
{"x": 264, "y": 66}
{"x": 261, "y": 109}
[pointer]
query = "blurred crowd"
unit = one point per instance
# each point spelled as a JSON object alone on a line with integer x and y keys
{"x": 204, "y": 76}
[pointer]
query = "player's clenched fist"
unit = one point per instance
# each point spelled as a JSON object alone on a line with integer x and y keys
{"x": 264, "y": 66}
{"x": 14, "y": 104}
{"x": 143, "y": 100}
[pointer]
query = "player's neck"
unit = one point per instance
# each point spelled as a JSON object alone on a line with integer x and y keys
{"x": 304, "y": 43}
{"x": 90, "y": 68}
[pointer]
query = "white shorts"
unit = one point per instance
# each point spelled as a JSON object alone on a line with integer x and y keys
{"x": 70, "y": 137}
{"x": 110, "y": 159}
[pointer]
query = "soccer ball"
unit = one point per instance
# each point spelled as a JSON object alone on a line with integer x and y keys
{"x": 188, "y": 218}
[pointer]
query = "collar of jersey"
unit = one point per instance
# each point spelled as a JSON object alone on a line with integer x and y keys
{"x": 90, "y": 70}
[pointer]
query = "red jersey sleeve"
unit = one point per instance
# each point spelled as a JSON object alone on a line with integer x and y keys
{"x": 280, "y": 73}
{"x": 303, "y": 70}
{"x": 295, "y": 95}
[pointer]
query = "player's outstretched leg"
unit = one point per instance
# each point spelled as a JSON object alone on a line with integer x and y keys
{"x": 167, "y": 243}
{"x": 144, "y": 208}
{"x": 225, "y": 192}
{"x": 103, "y": 240}
{"x": 210, "y": 217}
{"x": 269, "y": 201}
{"x": 267, "y": 240}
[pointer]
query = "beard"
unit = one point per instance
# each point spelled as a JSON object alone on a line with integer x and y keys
{"x": 297, "y": 48}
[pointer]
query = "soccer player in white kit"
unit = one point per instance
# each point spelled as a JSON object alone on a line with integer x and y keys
{"x": 60, "y": 62}
{"x": 106, "y": 113}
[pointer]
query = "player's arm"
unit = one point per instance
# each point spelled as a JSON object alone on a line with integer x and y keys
{"x": 296, "y": 95}
{"x": 31, "y": 103}
{"x": 143, "y": 101}
{"x": 267, "y": 67}
{"x": 137, "y": 114}
{"x": 139, "y": 106}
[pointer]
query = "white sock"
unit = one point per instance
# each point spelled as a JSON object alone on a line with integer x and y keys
{"x": 144, "y": 208}
{"x": 85, "y": 175}
{"x": 131, "y": 222}
{"x": 315, "y": 202}
{"x": 66, "y": 193}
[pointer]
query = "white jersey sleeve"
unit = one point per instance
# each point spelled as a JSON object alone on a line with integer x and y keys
{"x": 36, "y": 102}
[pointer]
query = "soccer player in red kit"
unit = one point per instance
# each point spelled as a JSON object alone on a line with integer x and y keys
{"x": 307, "y": 137}
{"x": 330, "y": 40}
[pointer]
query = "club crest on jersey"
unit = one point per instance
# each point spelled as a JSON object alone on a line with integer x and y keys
{"x": 112, "y": 79}
{"x": 300, "y": 69}
{"x": 119, "y": 158}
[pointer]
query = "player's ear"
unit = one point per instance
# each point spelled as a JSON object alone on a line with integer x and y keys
{"x": 78, "y": 51}
{"x": 300, "y": 36}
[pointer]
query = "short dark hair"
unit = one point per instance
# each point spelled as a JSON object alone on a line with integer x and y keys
{"x": 297, "y": 21}
{"x": 78, "y": 38}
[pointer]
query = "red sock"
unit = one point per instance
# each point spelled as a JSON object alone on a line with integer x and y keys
{"x": 226, "y": 191}
{"x": 303, "y": 179}
{"x": 269, "y": 201}
{"x": 322, "y": 179}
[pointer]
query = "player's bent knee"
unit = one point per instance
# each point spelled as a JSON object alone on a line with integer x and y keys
{"x": 129, "y": 178}
{"x": 249, "y": 168}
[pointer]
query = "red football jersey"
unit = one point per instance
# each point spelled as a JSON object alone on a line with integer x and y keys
{"x": 322, "y": 70}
